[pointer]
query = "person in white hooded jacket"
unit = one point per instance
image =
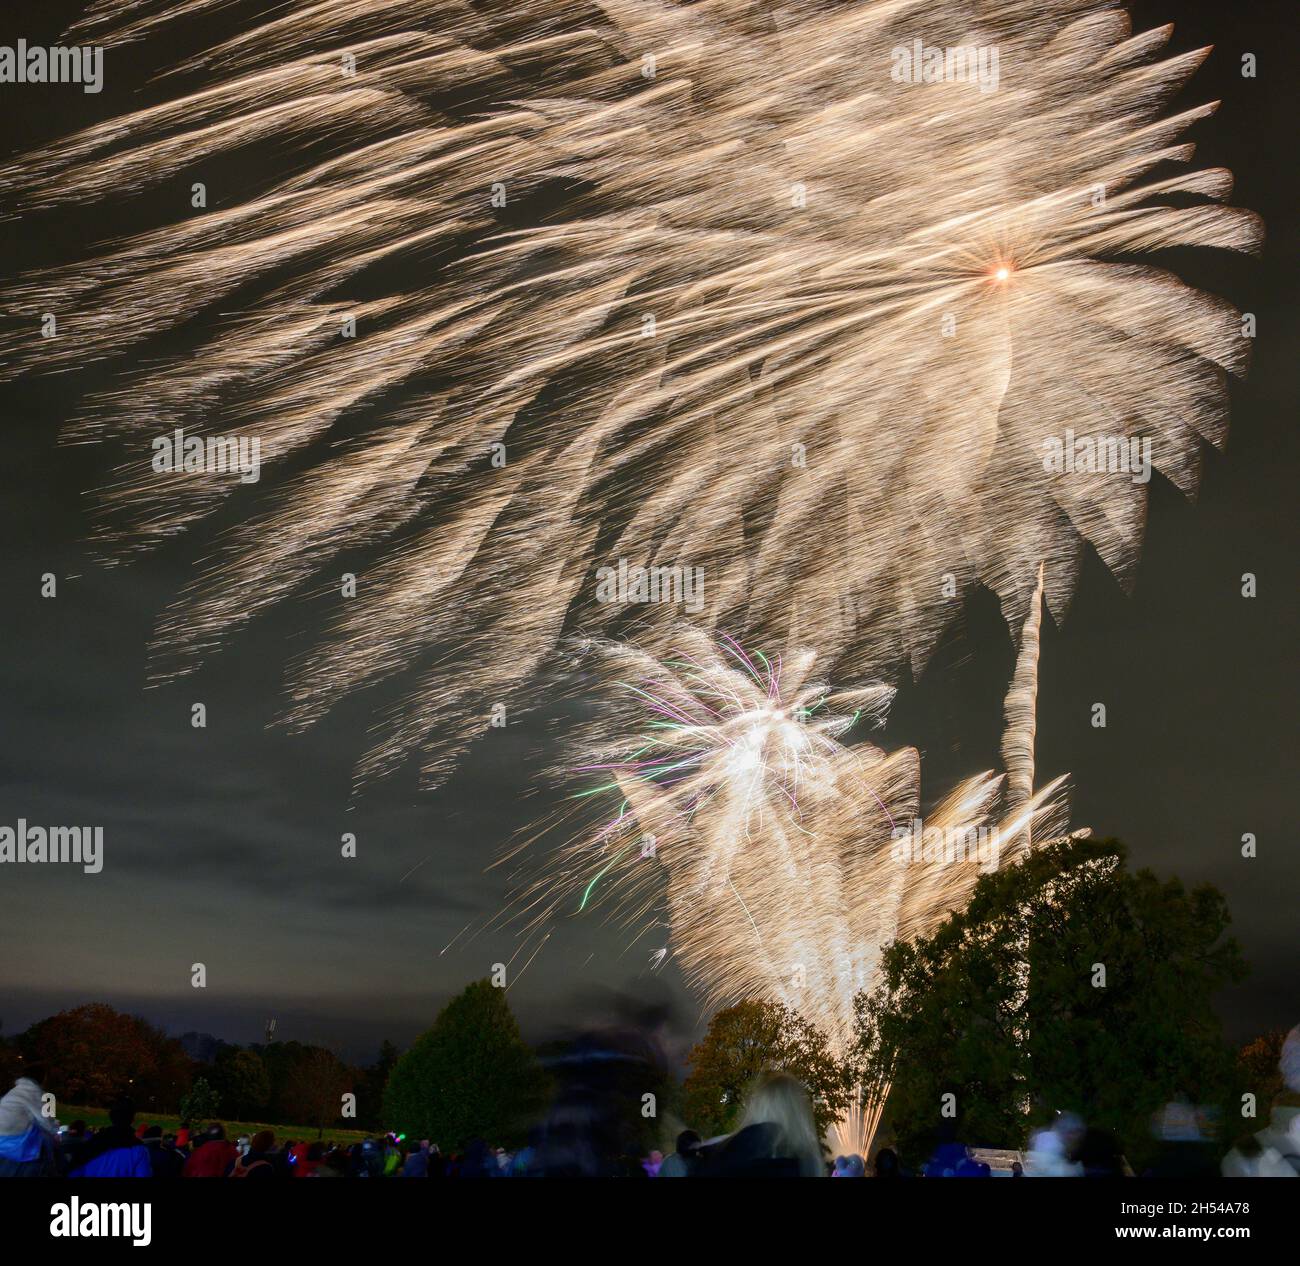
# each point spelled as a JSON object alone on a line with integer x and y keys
{"x": 28, "y": 1138}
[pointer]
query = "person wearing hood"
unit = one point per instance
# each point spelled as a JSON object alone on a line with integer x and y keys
{"x": 682, "y": 1162}
{"x": 114, "y": 1152}
{"x": 29, "y": 1141}
{"x": 417, "y": 1161}
{"x": 301, "y": 1162}
{"x": 213, "y": 1157}
{"x": 392, "y": 1157}
{"x": 370, "y": 1160}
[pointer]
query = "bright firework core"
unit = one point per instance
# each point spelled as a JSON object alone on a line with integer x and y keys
{"x": 770, "y": 743}
{"x": 740, "y": 736}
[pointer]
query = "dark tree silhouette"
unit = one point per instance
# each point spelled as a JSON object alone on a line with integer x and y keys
{"x": 470, "y": 1075}
{"x": 241, "y": 1079}
{"x": 1112, "y": 1020}
{"x": 92, "y": 1053}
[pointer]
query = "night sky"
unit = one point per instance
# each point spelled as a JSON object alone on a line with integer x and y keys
{"x": 222, "y": 845}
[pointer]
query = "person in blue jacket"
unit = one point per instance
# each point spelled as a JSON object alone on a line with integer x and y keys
{"x": 114, "y": 1152}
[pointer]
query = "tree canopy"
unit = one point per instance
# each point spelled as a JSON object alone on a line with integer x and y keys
{"x": 241, "y": 1080}
{"x": 313, "y": 1093}
{"x": 470, "y": 1075}
{"x": 201, "y": 1103}
{"x": 747, "y": 1040}
{"x": 93, "y": 1053}
{"x": 1067, "y": 983}
{"x": 370, "y": 1087}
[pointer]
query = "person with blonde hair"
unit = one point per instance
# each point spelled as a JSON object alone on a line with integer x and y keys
{"x": 777, "y": 1136}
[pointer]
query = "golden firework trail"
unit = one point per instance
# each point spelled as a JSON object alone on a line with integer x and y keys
{"x": 783, "y": 860}
{"x": 523, "y": 290}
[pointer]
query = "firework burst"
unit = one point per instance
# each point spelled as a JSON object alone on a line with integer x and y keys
{"x": 782, "y": 860}
{"x": 718, "y": 289}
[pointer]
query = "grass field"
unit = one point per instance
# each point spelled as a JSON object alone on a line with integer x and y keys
{"x": 170, "y": 1124}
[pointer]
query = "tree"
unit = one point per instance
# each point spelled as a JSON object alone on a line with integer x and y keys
{"x": 370, "y": 1089}
{"x": 202, "y": 1047}
{"x": 241, "y": 1079}
{"x": 93, "y": 1053}
{"x": 162, "y": 1087}
{"x": 282, "y": 1061}
{"x": 470, "y": 1075}
{"x": 314, "y": 1093}
{"x": 747, "y": 1040}
{"x": 1259, "y": 1066}
{"x": 11, "y": 1064}
{"x": 1115, "y": 1021}
{"x": 201, "y": 1104}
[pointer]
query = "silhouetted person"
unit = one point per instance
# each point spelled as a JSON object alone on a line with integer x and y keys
{"x": 887, "y": 1163}
{"x": 114, "y": 1152}
{"x": 777, "y": 1136}
{"x": 1100, "y": 1154}
{"x": 682, "y": 1163}
{"x": 164, "y": 1161}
